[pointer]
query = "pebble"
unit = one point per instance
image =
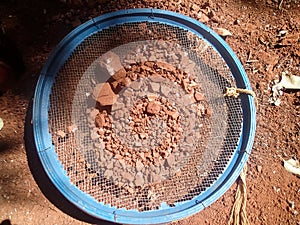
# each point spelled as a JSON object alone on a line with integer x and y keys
{"x": 139, "y": 181}
{"x": 108, "y": 173}
{"x": 110, "y": 63}
{"x": 72, "y": 128}
{"x": 156, "y": 178}
{"x": 165, "y": 90}
{"x": 173, "y": 114}
{"x": 110, "y": 165}
{"x": 94, "y": 134}
{"x": 100, "y": 120}
{"x": 166, "y": 66}
{"x": 157, "y": 79}
{"x": 118, "y": 105}
{"x": 61, "y": 134}
{"x": 93, "y": 113}
{"x": 120, "y": 75}
{"x": 127, "y": 176}
{"x": 170, "y": 160}
{"x": 139, "y": 165}
{"x": 208, "y": 112}
{"x": 138, "y": 144}
{"x": 119, "y": 114}
{"x": 199, "y": 97}
{"x": 153, "y": 107}
{"x": 154, "y": 86}
{"x": 135, "y": 85}
{"x": 259, "y": 168}
{"x": 104, "y": 94}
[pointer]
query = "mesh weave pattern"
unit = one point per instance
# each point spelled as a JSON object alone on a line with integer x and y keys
{"x": 196, "y": 168}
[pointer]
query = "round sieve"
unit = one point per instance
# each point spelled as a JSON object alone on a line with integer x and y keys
{"x": 130, "y": 119}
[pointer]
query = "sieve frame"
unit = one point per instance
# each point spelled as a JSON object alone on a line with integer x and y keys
{"x": 46, "y": 151}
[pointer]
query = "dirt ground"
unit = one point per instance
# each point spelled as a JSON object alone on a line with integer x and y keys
{"x": 260, "y": 41}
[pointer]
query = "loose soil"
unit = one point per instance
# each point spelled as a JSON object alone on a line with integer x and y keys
{"x": 265, "y": 39}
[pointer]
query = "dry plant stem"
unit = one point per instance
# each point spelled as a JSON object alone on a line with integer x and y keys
{"x": 238, "y": 214}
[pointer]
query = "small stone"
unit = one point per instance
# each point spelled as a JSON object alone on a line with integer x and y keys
{"x": 165, "y": 66}
{"x": 135, "y": 85}
{"x": 120, "y": 82}
{"x": 119, "y": 114}
{"x": 118, "y": 157}
{"x": 94, "y": 134}
{"x": 93, "y": 114}
{"x": 128, "y": 93}
{"x": 139, "y": 181}
{"x": 120, "y": 74}
{"x": 104, "y": 94}
{"x": 199, "y": 96}
{"x": 157, "y": 178}
{"x": 157, "y": 78}
{"x": 118, "y": 105}
{"x": 173, "y": 114}
{"x": 259, "y": 168}
{"x": 149, "y": 64}
{"x": 142, "y": 155}
{"x": 130, "y": 190}
{"x": 153, "y": 107}
{"x": 186, "y": 100}
{"x": 139, "y": 165}
{"x": 110, "y": 165}
{"x": 152, "y": 97}
{"x": 171, "y": 160}
{"x": 61, "y": 134}
{"x": 72, "y": 128}
{"x": 110, "y": 63}
{"x": 154, "y": 86}
{"x": 165, "y": 90}
{"x": 208, "y": 112}
{"x": 108, "y": 173}
{"x": 195, "y": 7}
{"x": 138, "y": 144}
{"x": 100, "y": 120}
{"x": 202, "y": 17}
{"x": 101, "y": 131}
{"x": 128, "y": 176}
{"x": 189, "y": 140}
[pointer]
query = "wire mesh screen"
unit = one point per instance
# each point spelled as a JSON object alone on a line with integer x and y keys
{"x": 138, "y": 116}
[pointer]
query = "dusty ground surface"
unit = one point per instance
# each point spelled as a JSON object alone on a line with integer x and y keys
{"x": 273, "y": 193}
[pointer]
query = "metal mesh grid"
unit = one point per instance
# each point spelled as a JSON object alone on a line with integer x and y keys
{"x": 87, "y": 163}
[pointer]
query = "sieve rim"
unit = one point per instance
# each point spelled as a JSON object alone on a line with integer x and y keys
{"x": 53, "y": 166}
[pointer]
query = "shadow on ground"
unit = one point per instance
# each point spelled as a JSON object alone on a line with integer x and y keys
{"x": 44, "y": 183}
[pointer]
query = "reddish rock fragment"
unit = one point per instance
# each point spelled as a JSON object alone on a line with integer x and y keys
{"x": 100, "y": 120}
{"x": 199, "y": 97}
{"x": 165, "y": 66}
{"x": 208, "y": 112}
{"x": 104, "y": 94}
{"x": 120, "y": 74}
{"x": 173, "y": 114}
{"x": 153, "y": 107}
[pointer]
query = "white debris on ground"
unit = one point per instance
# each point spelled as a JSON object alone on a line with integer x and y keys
{"x": 287, "y": 82}
{"x": 292, "y": 166}
{"x": 1, "y": 124}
